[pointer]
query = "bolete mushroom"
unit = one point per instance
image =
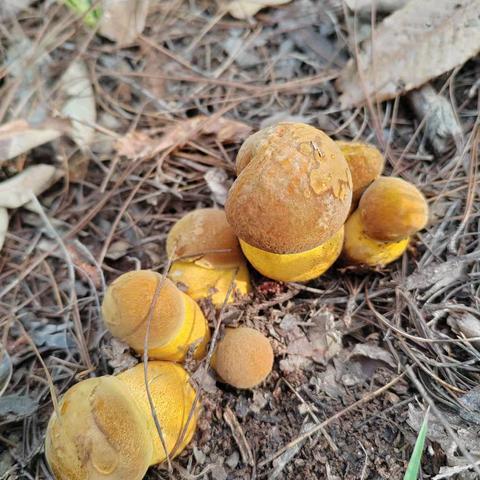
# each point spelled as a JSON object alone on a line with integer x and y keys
{"x": 366, "y": 164}
{"x": 292, "y": 195}
{"x": 104, "y": 428}
{"x": 243, "y": 358}
{"x": 177, "y": 324}
{"x": 389, "y": 212}
{"x": 210, "y": 257}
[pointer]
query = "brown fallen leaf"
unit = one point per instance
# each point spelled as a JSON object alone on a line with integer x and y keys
{"x": 419, "y": 42}
{"x": 243, "y": 9}
{"x": 18, "y": 136}
{"x": 321, "y": 342}
{"x": 138, "y": 144}
{"x": 123, "y": 21}
{"x": 17, "y": 191}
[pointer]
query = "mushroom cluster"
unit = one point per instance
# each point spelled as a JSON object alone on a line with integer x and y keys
{"x": 300, "y": 201}
{"x": 114, "y": 427}
{"x": 292, "y": 202}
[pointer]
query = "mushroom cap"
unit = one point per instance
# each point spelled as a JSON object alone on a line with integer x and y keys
{"x": 98, "y": 432}
{"x": 204, "y": 230}
{"x": 366, "y": 164}
{"x": 293, "y": 190}
{"x": 198, "y": 282}
{"x": 175, "y": 324}
{"x": 392, "y": 209}
{"x": 173, "y": 398}
{"x": 243, "y": 357}
{"x": 360, "y": 249}
{"x": 295, "y": 267}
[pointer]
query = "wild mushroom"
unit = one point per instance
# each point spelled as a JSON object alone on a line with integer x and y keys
{"x": 366, "y": 164}
{"x": 177, "y": 324}
{"x": 104, "y": 428}
{"x": 389, "y": 212}
{"x": 292, "y": 194}
{"x": 243, "y": 358}
{"x": 210, "y": 257}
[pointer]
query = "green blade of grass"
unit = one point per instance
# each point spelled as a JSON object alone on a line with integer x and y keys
{"x": 85, "y": 7}
{"x": 416, "y": 458}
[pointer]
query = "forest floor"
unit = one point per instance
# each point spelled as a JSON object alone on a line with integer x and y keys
{"x": 172, "y": 110}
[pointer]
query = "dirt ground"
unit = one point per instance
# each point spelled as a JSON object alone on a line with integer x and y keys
{"x": 117, "y": 199}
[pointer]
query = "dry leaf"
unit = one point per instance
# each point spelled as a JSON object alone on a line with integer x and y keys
{"x": 10, "y": 8}
{"x": 243, "y": 9}
{"x": 442, "y": 128}
{"x": 139, "y": 144}
{"x": 217, "y": 179}
{"x": 123, "y": 20}
{"x": 19, "y": 136}
{"x": 466, "y": 324}
{"x": 18, "y": 190}
{"x": 80, "y": 103}
{"x": 3, "y": 225}
{"x": 321, "y": 342}
{"x": 380, "y": 5}
{"x": 413, "y": 45}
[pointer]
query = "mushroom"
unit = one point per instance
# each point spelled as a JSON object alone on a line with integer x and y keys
{"x": 177, "y": 324}
{"x": 389, "y": 212}
{"x": 103, "y": 427}
{"x": 209, "y": 257}
{"x": 243, "y": 358}
{"x": 366, "y": 164}
{"x": 292, "y": 194}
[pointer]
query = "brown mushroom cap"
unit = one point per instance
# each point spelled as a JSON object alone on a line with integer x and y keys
{"x": 293, "y": 190}
{"x": 243, "y": 357}
{"x": 204, "y": 230}
{"x": 392, "y": 209}
{"x": 127, "y": 304}
{"x": 98, "y": 432}
{"x": 366, "y": 164}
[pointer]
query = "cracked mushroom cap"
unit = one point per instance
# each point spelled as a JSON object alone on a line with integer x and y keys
{"x": 366, "y": 164}
{"x": 98, "y": 433}
{"x": 392, "y": 209}
{"x": 177, "y": 322}
{"x": 201, "y": 235}
{"x": 243, "y": 357}
{"x": 293, "y": 191}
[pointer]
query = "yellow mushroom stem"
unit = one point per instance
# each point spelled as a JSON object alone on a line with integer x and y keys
{"x": 214, "y": 283}
{"x": 295, "y": 267}
{"x": 360, "y": 249}
{"x": 104, "y": 428}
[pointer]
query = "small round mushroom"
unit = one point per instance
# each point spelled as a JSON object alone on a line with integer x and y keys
{"x": 293, "y": 191}
{"x": 296, "y": 267}
{"x": 366, "y": 164}
{"x": 209, "y": 257}
{"x": 243, "y": 358}
{"x": 378, "y": 232}
{"x": 393, "y": 209}
{"x": 103, "y": 427}
{"x": 177, "y": 324}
